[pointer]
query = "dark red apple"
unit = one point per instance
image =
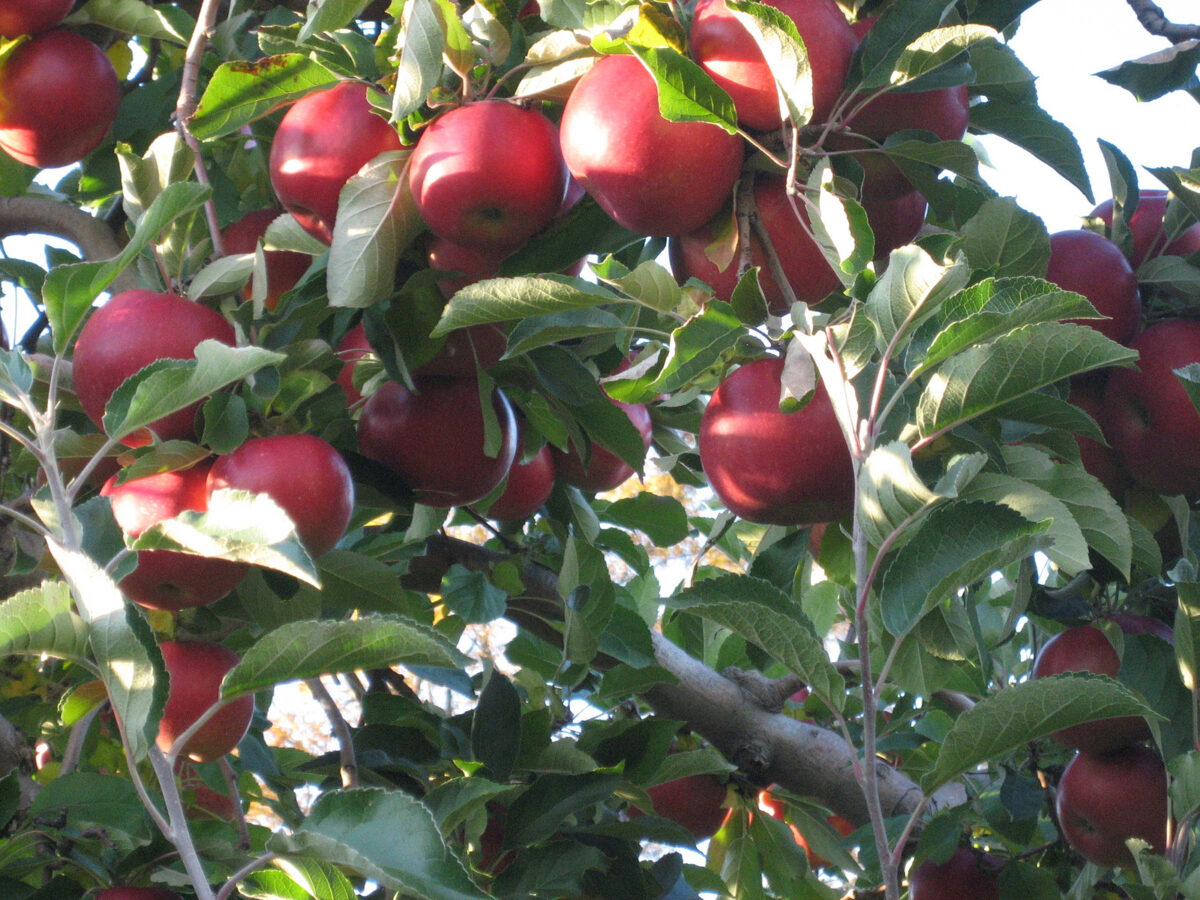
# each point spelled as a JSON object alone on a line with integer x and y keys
{"x": 604, "y": 470}
{"x": 1146, "y": 228}
{"x": 304, "y": 474}
{"x": 769, "y": 466}
{"x": 469, "y": 263}
{"x": 527, "y": 487}
{"x": 433, "y": 439}
{"x": 1092, "y": 265}
{"x": 165, "y": 579}
{"x": 136, "y": 893}
{"x": 1131, "y": 623}
{"x": 58, "y": 97}
{"x": 323, "y": 140}
{"x": 808, "y": 273}
{"x": 493, "y": 858}
{"x": 128, "y": 333}
{"x": 1149, "y": 418}
{"x": 488, "y": 175}
{"x": 284, "y": 267}
{"x": 697, "y": 802}
{"x": 896, "y": 221}
{"x": 966, "y": 874}
{"x": 1104, "y": 800}
{"x": 652, "y": 176}
{"x": 18, "y": 17}
{"x": 196, "y": 669}
{"x": 726, "y": 51}
{"x": 1099, "y": 460}
{"x": 1087, "y": 649}
{"x": 350, "y": 349}
{"x": 202, "y": 802}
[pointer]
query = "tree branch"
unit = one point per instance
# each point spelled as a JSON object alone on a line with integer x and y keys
{"x": 1152, "y": 18}
{"x": 42, "y": 215}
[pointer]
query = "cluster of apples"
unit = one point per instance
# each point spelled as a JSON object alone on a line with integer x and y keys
{"x": 45, "y": 120}
{"x": 1115, "y": 786}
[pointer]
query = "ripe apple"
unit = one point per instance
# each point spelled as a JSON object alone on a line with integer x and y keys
{"x": 322, "y": 141}
{"x": 527, "y": 487}
{"x": 128, "y": 333}
{"x": 725, "y": 50}
{"x": 303, "y": 474}
{"x": 18, "y": 17}
{"x": 493, "y": 858}
{"x": 604, "y": 470}
{"x": 1092, "y": 265}
{"x": 1149, "y": 418}
{"x": 1131, "y": 623}
{"x": 135, "y": 893}
{"x": 1087, "y": 649}
{"x": 1104, "y": 800}
{"x": 165, "y": 579}
{"x": 1099, "y": 460}
{"x": 697, "y": 802}
{"x": 196, "y": 669}
{"x": 769, "y": 466}
{"x": 284, "y": 267}
{"x": 1146, "y": 228}
{"x": 652, "y": 176}
{"x": 58, "y": 96}
{"x": 896, "y": 221}
{"x": 808, "y": 273}
{"x": 771, "y": 804}
{"x": 201, "y": 801}
{"x": 967, "y": 873}
{"x": 350, "y": 349}
{"x": 433, "y": 439}
{"x": 488, "y": 175}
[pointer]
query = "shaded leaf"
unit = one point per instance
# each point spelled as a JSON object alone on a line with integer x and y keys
{"x": 240, "y": 92}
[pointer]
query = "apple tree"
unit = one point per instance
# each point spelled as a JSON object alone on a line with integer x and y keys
{"x": 773, "y": 509}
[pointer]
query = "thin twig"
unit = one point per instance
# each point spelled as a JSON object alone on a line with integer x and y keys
{"x": 186, "y": 107}
{"x": 1151, "y": 17}
{"x": 341, "y": 730}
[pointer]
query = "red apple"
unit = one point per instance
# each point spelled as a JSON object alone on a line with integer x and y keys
{"x": 771, "y": 804}
{"x": 165, "y": 579}
{"x": 284, "y": 267}
{"x": 493, "y": 858}
{"x": 350, "y": 349}
{"x": 1148, "y": 416}
{"x": 966, "y": 874}
{"x": 527, "y": 487}
{"x": 488, "y": 175}
{"x": 128, "y": 333}
{"x": 18, "y": 17}
{"x": 896, "y": 221}
{"x": 1131, "y": 623}
{"x": 433, "y": 439}
{"x": 201, "y": 801}
{"x": 697, "y": 802}
{"x": 1092, "y": 265}
{"x": 770, "y": 466}
{"x": 135, "y": 893}
{"x": 470, "y": 263}
{"x": 1146, "y": 228}
{"x": 604, "y": 470}
{"x": 725, "y": 49}
{"x": 196, "y": 669}
{"x": 1099, "y": 460}
{"x": 808, "y": 273}
{"x": 1104, "y": 800}
{"x": 1087, "y": 649}
{"x": 58, "y": 96}
{"x": 303, "y": 474}
{"x": 323, "y": 140}
{"x": 652, "y": 176}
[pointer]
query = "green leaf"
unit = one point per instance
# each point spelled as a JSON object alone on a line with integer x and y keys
{"x": 240, "y": 92}
{"x": 504, "y": 299}
{"x": 1005, "y": 240}
{"x": 934, "y": 49}
{"x": 171, "y": 385}
{"x": 912, "y": 286}
{"x": 540, "y": 811}
{"x": 891, "y": 495}
{"x": 1025, "y": 712}
{"x": 132, "y": 17}
{"x": 686, "y": 93}
{"x": 762, "y": 614}
{"x": 929, "y": 568}
{"x": 662, "y": 519}
{"x": 785, "y": 54}
{"x": 650, "y": 284}
{"x": 538, "y": 331}
{"x": 1158, "y": 74}
{"x": 330, "y": 15}
{"x": 359, "y": 829}
{"x": 420, "y": 66}
{"x": 901, "y": 24}
{"x": 496, "y": 727}
{"x": 312, "y": 648}
{"x": 472, "y": 596}
{"x": 88, "y": 800}
{"x": 983, "y": 377}
{"x": 1187, "y": 623}
{"x": 40, "y": 620}
{"x": 376, "y": 221}
{"x": 1029, "y": 127}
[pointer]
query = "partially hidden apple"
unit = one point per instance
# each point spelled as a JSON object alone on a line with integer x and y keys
{"x": 18, "y": 17}
{"x": 697, "y": 802}
{"x": 196, "y": 669}
{"x": 136, "y": 893}
{"x": 132, "y": 330}
{"x": 966, "y": 874}
{"x": 603, "y": 470}
{"x": 434, "y": 439}
{"x": 1099, "y": 460}
{"x": 1103, "y": 800}
{"x": 1092, "y": 265}
{"x": 653, "y": 176}
{"x": 59, "y": 95}
{"x": 166, "y": 579}
{"x": 202, "y": 802}
{"x": 304, "y": 474}
{"x": 771, "y": 804}
{"x": 1146, "y": 228}
{"x": 527, "y": 486}
{"x": 321, "y": 142}
{"x": 896, "y": 221}
{"x": 284, "y": 267}
{"x": 769, "y": 466}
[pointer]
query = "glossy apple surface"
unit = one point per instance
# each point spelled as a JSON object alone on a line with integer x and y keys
{"x": 1087, "y": 649}
{"x": 725, "y": 49}
{"x": 303, "y": 474}
{"x": 1148, "y": 417}
{"x": 1104, "y": 800}
{"x": 652, "y": 176}
{"x": 1146, "y": 228}
{"x": 527, "y": 487}
{"x": 1092, "y": 265}
{"x": 488, "y": 175}
{"x": 323, "y": 140}
{"x": 284, "y": 267}
{"x": 196, "y": 669}
{"x": 128, "y": 333}
{"x": 966, "y": 874}
{"x": 19, "y": 17}
{"x": 166, "y": 579}
{"x": 697, "y": 802}
{"x": 896, "y": 221}
{"x": 603, "y": 470}
{"x": 47, "y": 118}
{"x": 769, "y": 466}
{"x": 433, "y": 439}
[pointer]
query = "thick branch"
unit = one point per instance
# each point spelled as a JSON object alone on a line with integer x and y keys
{"x": 1152, "y": 18}
{"x": 42, "y": 215}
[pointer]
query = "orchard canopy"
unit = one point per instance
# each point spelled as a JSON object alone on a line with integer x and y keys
{"x": 635, "y": 432}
